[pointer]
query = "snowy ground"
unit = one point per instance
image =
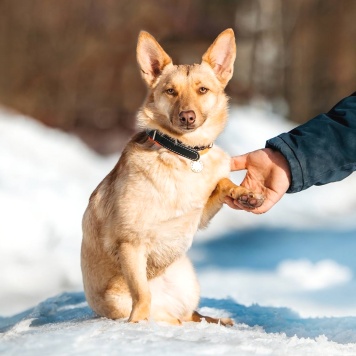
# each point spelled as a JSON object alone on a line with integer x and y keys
{"x": 287, "y": 277}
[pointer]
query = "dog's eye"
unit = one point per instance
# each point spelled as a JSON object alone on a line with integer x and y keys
{"x": 170, "y": 91}
{"x": 203, "y": 90}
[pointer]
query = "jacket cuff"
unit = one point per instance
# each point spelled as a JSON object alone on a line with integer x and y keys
{"x": 278, "y": 144}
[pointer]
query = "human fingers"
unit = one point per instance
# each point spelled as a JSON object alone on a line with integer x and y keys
{"x": 238, "y": 162}
{"x": 230, "y": 202}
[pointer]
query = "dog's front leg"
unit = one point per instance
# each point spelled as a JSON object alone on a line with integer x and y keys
{"x": 133, "y": 263}
{"x": 224, "y": 188}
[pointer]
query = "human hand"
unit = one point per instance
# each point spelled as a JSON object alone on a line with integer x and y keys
{"x": 268, "y": 173}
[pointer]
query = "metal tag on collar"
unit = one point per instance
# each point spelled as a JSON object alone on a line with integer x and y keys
{"x": 196, "y": 166}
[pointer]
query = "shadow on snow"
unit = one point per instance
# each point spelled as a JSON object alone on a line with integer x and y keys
{"x": 66, "y": 307}
{"x": 72, "y": 308}
{"x": 284, "y": 320}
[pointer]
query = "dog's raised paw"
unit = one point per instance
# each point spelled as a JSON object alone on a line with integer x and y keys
{"x": 251, "y": 200}
{"x": 246, "y": 198}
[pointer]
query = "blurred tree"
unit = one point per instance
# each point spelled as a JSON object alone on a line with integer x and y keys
{"x": 320, "y": 42}
{"x": 71, "y": 64}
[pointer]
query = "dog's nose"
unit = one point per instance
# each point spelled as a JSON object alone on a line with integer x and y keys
{"x": 187, "y": 117}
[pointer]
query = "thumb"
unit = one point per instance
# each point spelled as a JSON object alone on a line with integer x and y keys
{"x": 238, "y": 162}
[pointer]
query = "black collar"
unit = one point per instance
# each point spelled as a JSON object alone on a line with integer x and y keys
{"x": 177, "y": 146}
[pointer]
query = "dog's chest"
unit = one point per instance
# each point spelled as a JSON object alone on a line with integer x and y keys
{"x": 175, "y": 188}
{"x": 181, "y": 195}
{"x": 182, "y": 186}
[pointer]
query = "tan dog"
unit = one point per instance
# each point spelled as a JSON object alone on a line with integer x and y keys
{"x": 169, "y": 182}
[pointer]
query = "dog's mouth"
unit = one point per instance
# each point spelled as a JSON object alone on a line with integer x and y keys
{"x": 188, "y": 127}
{"x": 181, "y": 128}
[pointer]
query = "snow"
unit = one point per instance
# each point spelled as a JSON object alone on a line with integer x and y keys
{"x": 64, "y": 325}
{"x": 287, "y": 277}
{"x": 309, "y": 276}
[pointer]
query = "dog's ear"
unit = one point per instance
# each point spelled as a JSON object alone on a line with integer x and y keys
{"x": 221, "y": 55}
{"x": 151, "y": 57}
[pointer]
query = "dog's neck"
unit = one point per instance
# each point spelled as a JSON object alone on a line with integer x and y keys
{"x": 176, "y": 146}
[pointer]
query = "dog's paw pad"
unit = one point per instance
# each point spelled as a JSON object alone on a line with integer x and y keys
{"x": 251, "y": 200}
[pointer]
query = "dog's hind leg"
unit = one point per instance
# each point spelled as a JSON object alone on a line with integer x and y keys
{"x": 175, "y": 293}
{"x": 115, "y": 305}
{"x": 195, "y": 316}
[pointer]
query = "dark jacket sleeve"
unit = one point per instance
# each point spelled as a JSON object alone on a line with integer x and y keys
{"x": 323, "y": 150}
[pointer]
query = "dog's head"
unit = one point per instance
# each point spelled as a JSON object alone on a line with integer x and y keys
{"x": 186, "y": 101}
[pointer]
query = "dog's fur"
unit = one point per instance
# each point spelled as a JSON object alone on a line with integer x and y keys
{"x": 142, "y": 217}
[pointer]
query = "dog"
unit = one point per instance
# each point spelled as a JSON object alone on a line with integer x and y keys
{"x": 169, "y": 182}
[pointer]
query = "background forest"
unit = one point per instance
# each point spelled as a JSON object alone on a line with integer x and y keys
{"x": 71, "y": 64}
